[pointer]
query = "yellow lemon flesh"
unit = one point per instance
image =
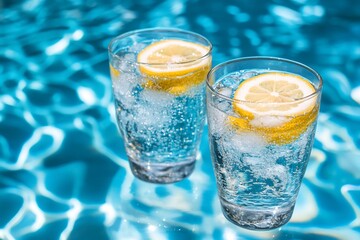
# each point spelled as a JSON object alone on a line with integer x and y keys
{"x": 114, "y": 72}
{"x": 174, "y": 66}
{"x": 274, "y": 105}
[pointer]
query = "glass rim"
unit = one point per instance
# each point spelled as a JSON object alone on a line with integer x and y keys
{"x": 217, "y": 67}
{"x": 159, "y": 29}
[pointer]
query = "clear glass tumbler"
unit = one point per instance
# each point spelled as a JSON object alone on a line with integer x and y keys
{"x": 158, "y": 78}
{"x": 262, "y": 114}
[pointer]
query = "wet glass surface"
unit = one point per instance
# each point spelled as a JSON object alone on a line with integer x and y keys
{"x": 63, "y": 169}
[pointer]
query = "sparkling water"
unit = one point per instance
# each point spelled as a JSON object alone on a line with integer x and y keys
{"x": 161, "y": 130}
{"x": 258, "y": 182}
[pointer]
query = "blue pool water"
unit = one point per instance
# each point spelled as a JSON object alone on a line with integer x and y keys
{"x": 63, "y": 169}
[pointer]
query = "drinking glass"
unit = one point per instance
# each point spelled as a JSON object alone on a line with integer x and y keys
{"x": 259, "y": 160}
{"x": 160, "y": 115}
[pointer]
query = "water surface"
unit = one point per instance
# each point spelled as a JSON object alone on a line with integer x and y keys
{"x": 63, "y": 169}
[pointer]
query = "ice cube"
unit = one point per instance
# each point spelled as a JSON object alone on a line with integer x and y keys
{"x": 154, "y": 108}
{"x": 123, "y": 85}
{"x": 124, "y": 66}
{"x": 151, "y": 117}
{"x": 129, "y": 57}
{"x": 262, "y": 168}
{"x": 277, "y": 171}
{"x": 137, "y": 47}
{"x": 218, "y": 120}
{"x": 248, "y": 142}
{"x": 126, "y": 62}
{"x": 227, "y": 92}
{"x": 157, "y": 99}
{"x": 259, "y": 166}
{"x": 248, "y": 74}
{"x": 268, "y": 121}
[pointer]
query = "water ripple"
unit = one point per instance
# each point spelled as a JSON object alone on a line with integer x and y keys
{"x": 63, "y": 168}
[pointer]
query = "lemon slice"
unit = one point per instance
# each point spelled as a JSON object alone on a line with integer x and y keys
{"x": 274, "y": 94}
{"x": 275, "y": 105}
{"x": 174, "y": 65}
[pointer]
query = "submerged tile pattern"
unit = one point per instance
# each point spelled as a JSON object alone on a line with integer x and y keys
{"x": 63, "y": 170}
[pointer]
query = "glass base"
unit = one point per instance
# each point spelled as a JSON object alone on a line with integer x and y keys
{"x": 254, "y": 219}
{"x": 162, "y": 172}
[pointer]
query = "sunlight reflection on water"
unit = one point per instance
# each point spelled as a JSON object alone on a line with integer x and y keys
{"x": 63, "y": 168}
